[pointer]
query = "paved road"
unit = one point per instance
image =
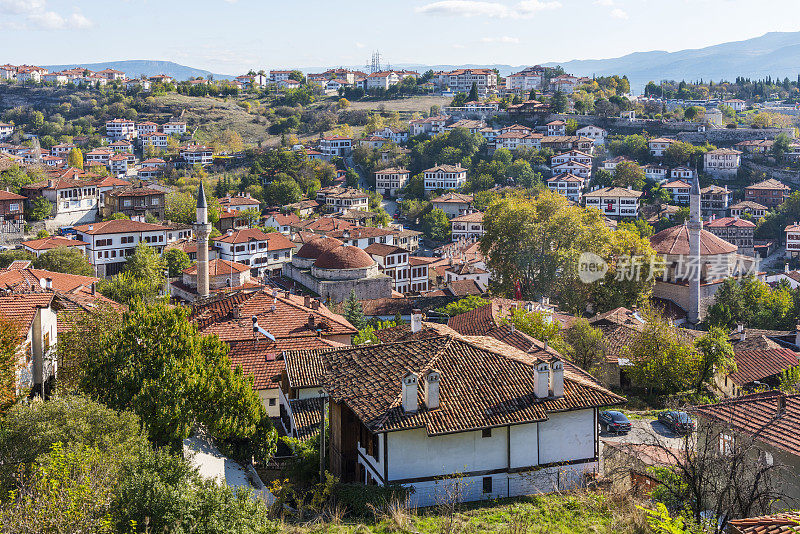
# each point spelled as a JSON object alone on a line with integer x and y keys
{"x": 390, "y": 206}
{"x": 647, "y": 431}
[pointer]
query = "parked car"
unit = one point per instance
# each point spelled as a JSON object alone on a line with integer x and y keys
{"x": 678, "y": 422}
{"x": 614, "y": 421}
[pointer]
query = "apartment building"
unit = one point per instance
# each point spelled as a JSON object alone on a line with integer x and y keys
{"x": 525, "y": 80}
{"x": 336, "y": 145}
{"x": 595, "y": 133}
{"x": 734, "y": 230}
{"x": 770, "y": 193}
{"x": 679, "y": 191}
{"x": 197, "y": 155}
{"x": 462, "y": 80}
{"x": 568, "y": 185}
{"x": 467, "y": 226}
{"x": 265, "y": 253}
{"x": 555, "y": 128}
{"x": 74, "y": 201}
{"x": 156, "y": 140}
{"x": 394, "y": 262}
{"x": 174, "y": 128}
{"x": 453, "y": 204}
{"x": 614, "y": 201}
{"x": 120, "y": 129}
{"x": 445, "y": 177}
{"x": 389, "y": 181}
{"x": 659, "y": 146}
{"x": 136, "y": 201}
{"x": 657, "y": 173}
{"x": 515, "y": 139}
{"x": 337, "y": 199}
{"x": 722, "y": 162}
{"x": 792, "y": 232}
{"x": 428, "y": 126}
{"x": 110, "y": 243}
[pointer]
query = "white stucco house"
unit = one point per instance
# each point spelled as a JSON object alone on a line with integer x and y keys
{"x": 467, "y": 416}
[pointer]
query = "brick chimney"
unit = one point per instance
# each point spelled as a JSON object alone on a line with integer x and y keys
{"x": 311, "y": 323}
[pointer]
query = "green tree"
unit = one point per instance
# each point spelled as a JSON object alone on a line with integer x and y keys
{"x": 584, "y": 345}
{"x": 142, "y": 279}
{"x": 464, "y": 305}
{"x": 156, "y": 363}
{"x": 559, "y": 102}
{"x": 678, "y": 154}
{"x": 436, "y": 225}
{"x": 537, "y": 325}
{"x": 12, "y": 255}
{"x": 629, "y": 174}
{"x": 64, "y": 260}
{"x": 716, "y": 354}
{"x": 176, "y": 261}
{"x": 40, "y": 208}
{"x": 473, "y": 93}
{"x": 663, "y": 358}
{"x": 780, "y": 146}
{"x": 353, "y": 311}
{"x": 753, "y": 303}
{"x": 9, "y": 364}
{"x": 75, "y": 158}
{"x": 282, "y": 190}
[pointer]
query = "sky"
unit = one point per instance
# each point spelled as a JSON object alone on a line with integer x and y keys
{"x": 233, "y": 36}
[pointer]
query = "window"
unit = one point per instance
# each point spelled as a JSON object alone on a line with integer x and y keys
{"x": 725, "y": 444}
{"x": 487, "y": 484}
{"x": 272, "y": 402}
{"x": 486, "y": 433}
{"x": 375, "y": 447}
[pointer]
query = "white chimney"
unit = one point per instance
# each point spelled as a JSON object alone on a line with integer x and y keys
{"x": 557, "y": 378}
{"x": 416, "y": 320}
{"x": 743, "y": 335}
{"x": 48, "y": 283}
{"x": 432, "y": 379}
{"x": 541, "y": 383}
{"x": 786, "y": 267}
{"x": 409, "y": 387}
{"x": 739, "y": 328}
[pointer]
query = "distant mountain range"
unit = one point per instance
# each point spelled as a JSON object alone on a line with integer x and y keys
{"x": 136, "y": 67}
{"x": 776, "y": 54}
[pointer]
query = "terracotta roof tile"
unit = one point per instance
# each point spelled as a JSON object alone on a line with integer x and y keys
{"x": 675, "y": 241}
{"x": 782, "y": 523}
{"x": 259, "y": 361}
{"x": 757, "y": 415}
{"x": 485, "y": 383}
{"x": 752, "y": 365}
{"x": 52, "y": 242}
{"x": 306, "y": 415}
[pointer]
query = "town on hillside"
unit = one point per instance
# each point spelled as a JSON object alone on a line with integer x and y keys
{"x": 370, "y": 295}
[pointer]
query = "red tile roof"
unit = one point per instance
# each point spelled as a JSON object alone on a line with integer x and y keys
{"x": 675, "y": 240}
{"x": 20, "y": 309}
{"x": 218, "y": 267}
{"x": 344, "y": 257}
{"x": 52, "y": 242}
{"x": 275, "y": 240}
{"x": 757, "y": 415}
{"x": 230, "y": 317}
{"x": 259, "y": 360}
{"x": 752, "y": 365}
{"x": 485, "y": 383}
{"x": 118, "y": 226}
{"x": 725, "y": 222}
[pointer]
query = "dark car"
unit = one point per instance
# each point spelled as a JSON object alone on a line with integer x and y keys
{"x": 614, "y": 421}
{"x": 678, "y": 422}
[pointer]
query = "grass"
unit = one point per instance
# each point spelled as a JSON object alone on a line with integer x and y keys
{"x": 581, "y": 512}
{"x": 410, "y": 104}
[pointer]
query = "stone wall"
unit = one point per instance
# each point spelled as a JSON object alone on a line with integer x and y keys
{"x": 365, "y": 288}
{"x": 771, "y": 172}
{"x": 726, "y": 136}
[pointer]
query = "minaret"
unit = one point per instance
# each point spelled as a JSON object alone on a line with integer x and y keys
{"x": 695, "y": 227}
{"x": 202, "y": 229}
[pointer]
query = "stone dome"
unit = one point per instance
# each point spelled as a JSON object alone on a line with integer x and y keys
{"x": 344, "y": 257}
{"x": 318, "y": 246}
{"x": 675, "y": 241}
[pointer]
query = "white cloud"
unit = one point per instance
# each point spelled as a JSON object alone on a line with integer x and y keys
{"x": 474, "y": 8}
{"x": 360, "y": 45}
{"x": 604, "y": 3}
{"x": 33, "y": 15}
{"x": 618, "y": 13}
{"x": 502, "y": 39}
